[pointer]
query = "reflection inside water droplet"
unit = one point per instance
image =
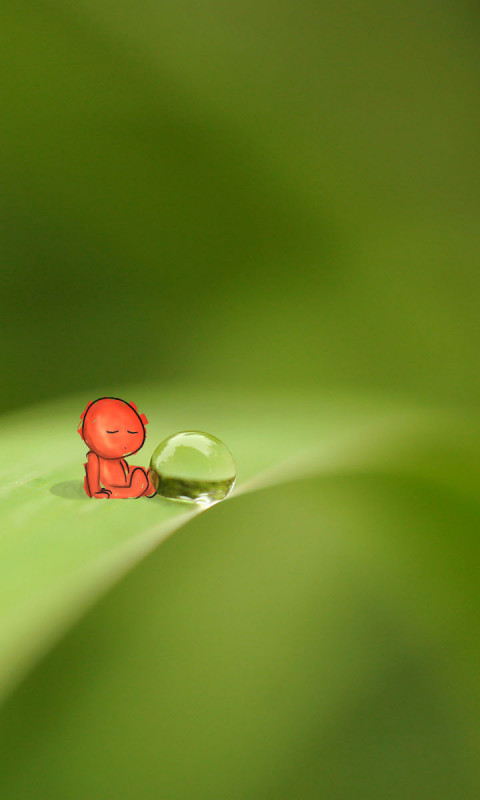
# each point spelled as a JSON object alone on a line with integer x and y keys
{"x": 193, "y": 466}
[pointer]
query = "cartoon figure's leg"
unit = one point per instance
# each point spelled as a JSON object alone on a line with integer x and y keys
{"x": 150, "y": 490}
{"x": 138, "y": 483}
{"x": 91, "y": 483}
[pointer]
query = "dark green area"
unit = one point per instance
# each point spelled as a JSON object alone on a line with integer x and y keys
{"x": 259, "y": 212}
{"x": 202, "y": 491}
{"x": 247, "y": 193}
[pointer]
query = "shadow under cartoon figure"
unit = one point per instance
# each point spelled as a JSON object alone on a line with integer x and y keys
{"x": 113, "y": 429}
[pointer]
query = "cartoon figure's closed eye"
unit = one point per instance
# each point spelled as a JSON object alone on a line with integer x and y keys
{"x": 113, "y": 429}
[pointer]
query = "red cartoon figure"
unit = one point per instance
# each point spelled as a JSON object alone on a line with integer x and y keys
{"x": 113, "y": 429}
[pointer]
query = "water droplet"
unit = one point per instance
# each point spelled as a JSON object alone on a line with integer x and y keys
{"x": 193, "y": 466}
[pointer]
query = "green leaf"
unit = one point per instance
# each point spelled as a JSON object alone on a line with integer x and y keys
{"x": 309, "y": 640}
{"x": 59, "y": 550}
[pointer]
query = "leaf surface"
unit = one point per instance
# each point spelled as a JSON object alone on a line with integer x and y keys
{"x": 60, "y": 550}
{"x": 314, "y": 639}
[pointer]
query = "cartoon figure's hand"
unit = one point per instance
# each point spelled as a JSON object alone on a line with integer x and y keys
{"x": 103, "y": 494}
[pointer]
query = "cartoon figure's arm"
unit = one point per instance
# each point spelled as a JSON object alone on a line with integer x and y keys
{"x": 92, "y": 478}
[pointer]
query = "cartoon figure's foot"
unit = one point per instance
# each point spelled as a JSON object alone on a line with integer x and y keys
{"x": 102, "y": 494}
{"x": 150, "y": 491}
{"x": 139, "y": 482}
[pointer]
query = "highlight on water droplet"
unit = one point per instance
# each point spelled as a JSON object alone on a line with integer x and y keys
{"x": 193, "y": 466}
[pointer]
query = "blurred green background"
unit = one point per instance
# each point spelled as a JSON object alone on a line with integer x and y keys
{"x": 248, "y": 193}
{"x": 265, "y": 217}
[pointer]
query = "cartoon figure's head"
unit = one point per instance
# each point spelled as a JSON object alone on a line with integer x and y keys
{"x": 112, "y": 428}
